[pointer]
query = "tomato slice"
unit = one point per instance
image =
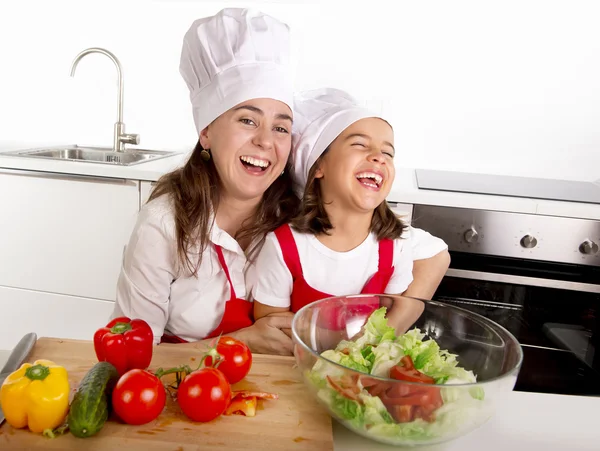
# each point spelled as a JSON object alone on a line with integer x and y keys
{"x": 407, "y": 372}
{"x": 254, "y": 394}
{"x": 242, "y": 406}
{"x": 402, "y": 414}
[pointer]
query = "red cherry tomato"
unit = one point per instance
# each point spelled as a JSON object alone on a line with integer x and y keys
{"x": 204, "y": 394}
{"x": 237, "y": 359}
{"x": 138, "y": 397}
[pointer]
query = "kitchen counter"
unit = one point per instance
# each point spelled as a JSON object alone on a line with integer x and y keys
{"x": 526, "y": 421}
{"x": 148, "y": 171}
{"x": 404, "y": 190}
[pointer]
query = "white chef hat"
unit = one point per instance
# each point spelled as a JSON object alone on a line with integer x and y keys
{"x": 234, "y": 56}
{"x": 320, "y": 116}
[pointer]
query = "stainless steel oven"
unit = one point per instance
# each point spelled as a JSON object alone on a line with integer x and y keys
{"x": 539, "y": 277}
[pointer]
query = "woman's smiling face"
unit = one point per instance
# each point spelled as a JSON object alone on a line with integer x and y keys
{"x": 250, "y": 146}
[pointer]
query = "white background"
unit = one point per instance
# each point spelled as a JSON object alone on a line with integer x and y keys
{"x": 510, "y": 87}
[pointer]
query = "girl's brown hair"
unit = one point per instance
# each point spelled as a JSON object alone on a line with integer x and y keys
{"x": 312, "y": 216}
{"x": 194, "y": 190}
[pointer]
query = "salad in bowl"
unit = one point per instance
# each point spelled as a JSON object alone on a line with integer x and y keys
{"x": 437, "y": 380}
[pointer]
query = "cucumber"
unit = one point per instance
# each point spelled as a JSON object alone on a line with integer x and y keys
{"x": 89, "y": 409}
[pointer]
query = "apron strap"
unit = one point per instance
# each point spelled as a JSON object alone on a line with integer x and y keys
{"x": 224, "y": 266}
{"x": 386, "y": 255}
{"x": 289, "y": 250}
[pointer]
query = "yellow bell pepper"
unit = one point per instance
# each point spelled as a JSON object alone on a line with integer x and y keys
{"x": 36, "y": 396}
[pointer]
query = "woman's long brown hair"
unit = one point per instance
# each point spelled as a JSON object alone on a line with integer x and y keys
{"x": 194, "y": 190}
{"x": 312, "y": 217}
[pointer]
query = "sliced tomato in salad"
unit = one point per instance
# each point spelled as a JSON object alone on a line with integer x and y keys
{"x": 407, "y": 402}
{"x": 407, "y": 372}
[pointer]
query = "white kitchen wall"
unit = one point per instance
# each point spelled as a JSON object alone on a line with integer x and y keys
{"x": 503, "y": 87}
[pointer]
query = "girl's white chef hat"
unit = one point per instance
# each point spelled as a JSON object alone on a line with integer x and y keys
{"x": 234, "y": 56}
{"x": 320, "y": 115}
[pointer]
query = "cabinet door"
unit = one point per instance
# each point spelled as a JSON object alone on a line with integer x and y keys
{"x": 49, "y": 315}
{"x": 145, "y": 190}
{"x": 64, "y": 234}
{"x": 403, "y": 210}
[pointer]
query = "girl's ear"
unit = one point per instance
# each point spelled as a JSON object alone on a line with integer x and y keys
{"x": 319, "y": 165}
{"x": 319, "y": 172}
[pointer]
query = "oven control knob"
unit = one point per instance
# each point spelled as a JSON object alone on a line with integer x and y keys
{"x": 471, "y": 235}
{"x": 528, "y": 241}
{"x": 588, "y": 247}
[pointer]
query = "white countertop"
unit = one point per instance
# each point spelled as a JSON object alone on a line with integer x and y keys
{"x": 148, "y": 171}
{"x": 404, "y": 190}
{"x": 526, "y": 421}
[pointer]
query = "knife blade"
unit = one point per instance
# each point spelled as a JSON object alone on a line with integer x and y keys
{"x": 18, "y": 355}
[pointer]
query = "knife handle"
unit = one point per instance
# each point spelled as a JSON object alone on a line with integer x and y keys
{"x": 20, "y": 353}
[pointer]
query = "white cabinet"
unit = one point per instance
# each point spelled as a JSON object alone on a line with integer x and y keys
{"x": 145, "y": 190}
{"x": 63, "y": 233}
{"x": 49, "y": 315}
{"x": 403, "y": 210}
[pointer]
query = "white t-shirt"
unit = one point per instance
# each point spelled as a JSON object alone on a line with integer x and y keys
{"x": 423, "y": 244}
{"x": 331, "y": 272}
{"x": 153, "y": 287}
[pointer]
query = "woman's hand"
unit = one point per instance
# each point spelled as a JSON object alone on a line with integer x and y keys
{"x": 267, "y": 336}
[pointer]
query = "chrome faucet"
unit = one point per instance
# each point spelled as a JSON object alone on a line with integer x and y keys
{"x": 120, "y": 137}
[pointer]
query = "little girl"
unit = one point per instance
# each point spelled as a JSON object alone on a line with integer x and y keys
{"x": 345, "y": 240}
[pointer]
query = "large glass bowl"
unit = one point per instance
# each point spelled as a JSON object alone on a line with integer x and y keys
{"x": 405, "y": 413}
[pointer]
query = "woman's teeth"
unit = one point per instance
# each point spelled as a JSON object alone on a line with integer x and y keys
{"x": 372, "y": 176}
{"x": 255, "y": 162}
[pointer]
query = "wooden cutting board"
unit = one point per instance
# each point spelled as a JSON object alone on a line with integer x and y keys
{"x": 293, "y": 422}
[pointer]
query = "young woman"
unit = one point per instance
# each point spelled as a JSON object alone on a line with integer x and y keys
{"x": 184, "y": 267}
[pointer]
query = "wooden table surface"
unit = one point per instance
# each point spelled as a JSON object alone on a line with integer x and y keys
{"x": 293, "y": 422}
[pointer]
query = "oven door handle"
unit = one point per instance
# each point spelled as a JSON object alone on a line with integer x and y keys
{"x": 522, "y": 280}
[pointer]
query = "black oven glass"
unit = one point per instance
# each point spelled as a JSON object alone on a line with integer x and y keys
{"x": 558, "y": 329}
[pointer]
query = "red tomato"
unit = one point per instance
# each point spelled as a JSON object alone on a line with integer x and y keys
{"x": 139, "y": 397}
{"x": 407, "y": 372}
{"x": 407, "y": 402}
{"x": 237, "y": 359}
{"x": 204, "y": 394}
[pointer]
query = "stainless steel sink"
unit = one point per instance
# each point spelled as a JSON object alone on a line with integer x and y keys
{"x": 93, "y": 155}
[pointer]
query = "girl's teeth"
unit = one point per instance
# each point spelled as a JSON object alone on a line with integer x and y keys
{"x": 370, "y": 175}
{"x": 255, "y": 162}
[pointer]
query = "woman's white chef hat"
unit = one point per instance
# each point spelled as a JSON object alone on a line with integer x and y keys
{"x": 234, "y": 56}
{"x": 320, "y": 116}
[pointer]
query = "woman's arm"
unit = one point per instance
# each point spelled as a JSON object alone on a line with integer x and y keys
{"x": 144, "y": 284}
{"x": 265, "y": 336}
{"x": 262, "y": 310}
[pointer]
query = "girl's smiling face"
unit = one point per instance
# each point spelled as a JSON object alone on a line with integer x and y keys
{"x": 357, "y": 171}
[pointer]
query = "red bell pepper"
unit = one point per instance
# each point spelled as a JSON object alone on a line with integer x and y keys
{"x": 125, "y": 343}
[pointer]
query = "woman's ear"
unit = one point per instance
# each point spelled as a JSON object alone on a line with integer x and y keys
{"x": 204, "y": 139}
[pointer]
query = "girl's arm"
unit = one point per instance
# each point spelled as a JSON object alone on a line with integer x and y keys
{"x": 270, "y": 282}
{"x": 427, "y": 275}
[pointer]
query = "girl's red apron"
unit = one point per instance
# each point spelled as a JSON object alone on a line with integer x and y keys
{"x": 237, "y": 315}
{"x": 336, "y": 316}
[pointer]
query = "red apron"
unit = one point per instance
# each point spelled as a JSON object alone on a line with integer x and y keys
{"x": 237, "y": 315}
{"x": 303, "y": 294}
